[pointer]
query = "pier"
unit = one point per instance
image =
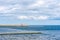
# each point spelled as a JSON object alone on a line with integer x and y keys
{"x": 23, "y": 36}
{"x": 22, "y": 32}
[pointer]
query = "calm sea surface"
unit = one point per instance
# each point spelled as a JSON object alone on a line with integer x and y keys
{"x": 50, "y": 32}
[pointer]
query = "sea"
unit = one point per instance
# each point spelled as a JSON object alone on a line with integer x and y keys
{"x": 49, "y": 32}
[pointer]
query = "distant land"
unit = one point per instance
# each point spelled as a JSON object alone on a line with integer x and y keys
{"x": 13, "y": 25}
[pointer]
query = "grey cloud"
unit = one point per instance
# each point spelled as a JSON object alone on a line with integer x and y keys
{"x": 21, "y": 7}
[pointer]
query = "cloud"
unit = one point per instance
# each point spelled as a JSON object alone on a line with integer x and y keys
{"x": 10, "y": 9}
{"x": 38, "y": 3}
{"x": 3, "y": 9}
{"x": 43, "y": 17}
{"x": 22, "y": 17}
{"x": 33, "y": 9}
{"x": 33, "y": 17}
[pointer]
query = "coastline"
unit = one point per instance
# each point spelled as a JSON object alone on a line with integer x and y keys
{"x": 13, "y": 25}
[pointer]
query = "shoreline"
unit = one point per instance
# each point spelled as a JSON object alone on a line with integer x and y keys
{"x": 13, "y": 25}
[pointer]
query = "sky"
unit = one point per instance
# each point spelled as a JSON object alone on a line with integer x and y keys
{"x": 32, "y": 12}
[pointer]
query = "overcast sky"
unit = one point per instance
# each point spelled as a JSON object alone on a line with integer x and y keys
{"x": 32, "y": 12}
